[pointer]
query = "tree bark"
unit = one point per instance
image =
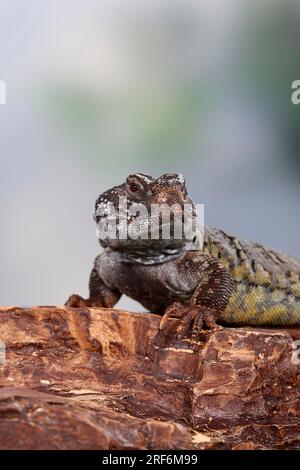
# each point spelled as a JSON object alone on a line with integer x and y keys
{"x": 102, "y": 379}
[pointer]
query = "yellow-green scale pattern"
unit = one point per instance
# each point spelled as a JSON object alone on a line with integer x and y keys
{"x": 267, "y": 283}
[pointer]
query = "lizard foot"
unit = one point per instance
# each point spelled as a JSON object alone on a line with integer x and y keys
{"x": 175, "y": 310}
{"x": 196, "y": 320}
{"x": 76, "y": 301}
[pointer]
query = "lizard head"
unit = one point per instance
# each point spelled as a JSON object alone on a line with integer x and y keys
{"x": 141, "y": 215}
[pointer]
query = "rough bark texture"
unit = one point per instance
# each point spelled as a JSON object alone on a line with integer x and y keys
{"x": 98, "y": 379}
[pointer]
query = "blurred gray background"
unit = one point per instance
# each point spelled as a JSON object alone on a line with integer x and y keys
{"x": 99, "y": 89}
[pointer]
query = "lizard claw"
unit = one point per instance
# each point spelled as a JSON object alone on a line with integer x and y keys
{"x": 75, "y": 301}
{"x": 196, "y": 320}
{"x": 174, "y": 310}
{"x": 204, "y": 319}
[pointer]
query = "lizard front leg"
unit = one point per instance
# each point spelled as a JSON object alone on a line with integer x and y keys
{"x": 208, "y": 300}
{"x": 99, "y": 294}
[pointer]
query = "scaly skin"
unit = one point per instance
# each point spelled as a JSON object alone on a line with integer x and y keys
{"x": 267, "y": 283}
{"x": 233, "y": 281}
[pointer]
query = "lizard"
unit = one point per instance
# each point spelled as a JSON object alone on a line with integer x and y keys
{"x": 228, "y": 281}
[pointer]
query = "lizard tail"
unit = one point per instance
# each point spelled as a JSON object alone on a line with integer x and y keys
{"x": 262, "y": 305}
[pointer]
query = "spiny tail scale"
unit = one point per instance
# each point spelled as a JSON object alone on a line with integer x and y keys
{"x": 267, "y": 283}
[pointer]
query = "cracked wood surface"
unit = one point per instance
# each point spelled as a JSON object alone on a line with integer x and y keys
{"x": 100, "y": 379}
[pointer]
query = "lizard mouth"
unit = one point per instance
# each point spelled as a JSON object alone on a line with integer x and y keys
{"x": 136, "y": 233}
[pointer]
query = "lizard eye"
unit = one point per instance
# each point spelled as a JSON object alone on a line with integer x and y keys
{"x": 133, "y": 187}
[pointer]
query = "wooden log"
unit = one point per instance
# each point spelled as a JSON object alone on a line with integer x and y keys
{"x": 102, "y": 379}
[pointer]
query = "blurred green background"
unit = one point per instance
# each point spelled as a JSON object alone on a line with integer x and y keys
{"x": 99, "y": 89}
